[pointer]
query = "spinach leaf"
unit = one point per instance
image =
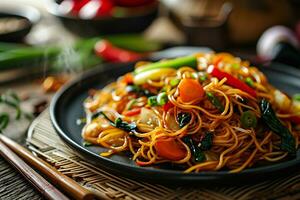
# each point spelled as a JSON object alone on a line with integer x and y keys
{"x": 206, "y": 142}
{"x": 269, "y": 117}
{"x": 198, "y": 154}
{"x": 198, "y": 149}
{"x": 183, "y": 119}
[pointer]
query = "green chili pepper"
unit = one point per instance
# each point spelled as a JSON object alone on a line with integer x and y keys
{"x": 215, "y": 101}
{"x": 176, "y": 63}
{"x": 248, "y": 119}
{"x": 162, "y": 98}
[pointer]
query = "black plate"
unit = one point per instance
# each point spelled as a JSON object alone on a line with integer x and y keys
{"x": 66, "y": 108}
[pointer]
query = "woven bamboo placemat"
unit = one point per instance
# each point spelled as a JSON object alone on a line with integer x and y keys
{"x": 43, "y": 140}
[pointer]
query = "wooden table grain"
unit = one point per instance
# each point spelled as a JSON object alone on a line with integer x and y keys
{"x": 14, "y": 186}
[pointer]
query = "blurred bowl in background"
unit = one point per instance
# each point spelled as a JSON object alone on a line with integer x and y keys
{"x": 204, "y": 23}
{"x": 127, "y": 20}
{"x": 16, "y": 21}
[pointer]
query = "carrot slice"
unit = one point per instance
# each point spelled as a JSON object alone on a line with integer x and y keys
{"x": 170, "y": 149}
{"x": 190, "y": 90}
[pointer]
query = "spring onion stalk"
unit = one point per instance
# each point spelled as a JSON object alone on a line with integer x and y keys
{"x": 176, "y": 63}
{"x": 153, "y": 74}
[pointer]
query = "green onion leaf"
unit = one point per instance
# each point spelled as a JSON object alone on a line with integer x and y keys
{"x": 174, "y": 82}
{"x": 162, "y": 98}
{"x": 215, "y": 101}
{"x": 87, "y": 144}
{"x": 249, "y": 82}
{"x": 152, "y": 101}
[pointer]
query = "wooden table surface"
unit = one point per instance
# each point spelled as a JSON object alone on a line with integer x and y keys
{"x": 13, "y": 185}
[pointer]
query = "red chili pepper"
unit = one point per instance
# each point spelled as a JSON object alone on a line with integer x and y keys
{"x": 71, "y": 6}
{"x": 134, "y": 111}
{"x": 168, "y": 106}
{"x": 231, "y": 80}
{"x": 109, "y": 52}
{"x": 96, "y": 8}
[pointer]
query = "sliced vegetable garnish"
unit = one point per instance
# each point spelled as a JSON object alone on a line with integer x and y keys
{"x": 170, "y": 149}
{"x": 119, "y": 123}
{"x": 206, "y": 141}
{"x": 109, "y": 52}
{"x": 168, "y": 106}
{"x": 132, "y": 112}
{"x": 288, "y": 142}
{"x": 174, "y": 82}
{"x": 197, "y": 153}
{"x": 203, "y": 77}
{"x": 138, "y": 90}
{"x": 176, "y": 63}
{"x": 215, "y": 101}
{"x": 87, "y": 144}
{"x": 162, "y": 98}
{"x": 248, "y": 119}
{"x": 190, "y": 90}
{"x": 231, "y": 80}
{"x": 249, "y": 81}
{"x": 152, "y": 101}
{"x": 183, "y": 119}
{"x": 153, "y": 74}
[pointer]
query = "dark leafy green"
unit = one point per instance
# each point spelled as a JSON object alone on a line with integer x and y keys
{"x": 119, "y": 123}
{"x": 215, "y": 101}
{"x": 4, "y": 120}
{"x": 183, "y": 119}
{"x": 206, "y": 142}
{"x": 198, "y": 149}
{"x": 11, "y": 99}
{"x": 198, "y": 154}
{"x": 288, "y": 142}
{"x": 138, "y": 90}
{"x": 152, "y": 101}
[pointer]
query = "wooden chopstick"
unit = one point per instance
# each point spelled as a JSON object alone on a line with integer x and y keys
{"x": 47, "y": 189}
{"x": 66, "y": 184}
